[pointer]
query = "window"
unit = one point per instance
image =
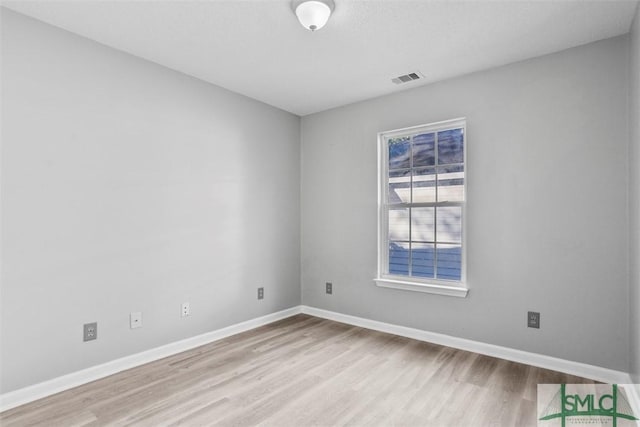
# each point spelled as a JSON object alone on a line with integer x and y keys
{"x": 422, "y": 207}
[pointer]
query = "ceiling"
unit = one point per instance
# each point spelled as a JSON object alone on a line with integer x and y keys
{"x": 257, "y": 48}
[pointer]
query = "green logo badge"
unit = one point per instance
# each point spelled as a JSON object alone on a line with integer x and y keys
{"x": 584, "y": 404}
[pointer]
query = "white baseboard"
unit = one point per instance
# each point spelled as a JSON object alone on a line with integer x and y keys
{"x": 56, "y": 385}
{"x": 574, "y": 368}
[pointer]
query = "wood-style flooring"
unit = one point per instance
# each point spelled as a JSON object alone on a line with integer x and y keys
{"x": 304, "y": 371}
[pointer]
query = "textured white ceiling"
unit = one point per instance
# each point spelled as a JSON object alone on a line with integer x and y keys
{"x": 257, "y": 47}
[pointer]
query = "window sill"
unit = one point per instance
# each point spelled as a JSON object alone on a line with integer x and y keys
{"x": 430, "y": 288}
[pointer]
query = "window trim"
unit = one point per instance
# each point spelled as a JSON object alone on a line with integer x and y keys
{"x": 409, "y": 283}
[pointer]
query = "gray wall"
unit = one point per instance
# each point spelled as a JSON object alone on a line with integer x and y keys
{"x": 126, "y": 186}
{"x": 130, "y": 187}
{"x": 547, "y": 205}
{"x": 634, "y": 198}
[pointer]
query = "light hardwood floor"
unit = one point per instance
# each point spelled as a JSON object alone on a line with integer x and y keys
{"x": 305, "y": 371}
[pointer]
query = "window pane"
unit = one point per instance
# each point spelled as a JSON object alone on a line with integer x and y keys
{"x": 449, "y": 261}
{"x": 424, "y": 150}
{"x": 399, "y": 154}
{"x": 422, "y": 224}
{"x": 450, "y": 146}
{"x": 449, "y": 224}
{"x": 399, "y": 258}
{"x": 424, "y": 185}
{"x": 400, "y": 186}
{"x": 422, "y": 259}
{"x": 451, "y": 183}
{"x": 399, "y": 224}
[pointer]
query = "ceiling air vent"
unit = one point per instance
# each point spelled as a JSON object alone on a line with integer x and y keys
{"x": 407, "y": 78}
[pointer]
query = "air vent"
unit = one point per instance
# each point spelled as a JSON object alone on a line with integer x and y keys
{"x": 407, "y": 78}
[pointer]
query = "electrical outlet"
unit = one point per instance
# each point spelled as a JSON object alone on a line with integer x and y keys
{"x": 329, "y": 288}
{"x": 260, "y": 293}
{"x": 533, "y": 319}
{"x": 135, "y": 319}
{"x": 90, "y": 331}
{"x": 186, "y": 309}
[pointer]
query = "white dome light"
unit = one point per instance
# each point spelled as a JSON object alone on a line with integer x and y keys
{"x": 313, "y": 14}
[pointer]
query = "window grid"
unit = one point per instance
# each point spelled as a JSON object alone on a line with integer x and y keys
{"x": 437, "y": 168}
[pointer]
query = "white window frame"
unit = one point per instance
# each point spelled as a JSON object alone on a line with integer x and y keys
{"x": 410, "y": 283}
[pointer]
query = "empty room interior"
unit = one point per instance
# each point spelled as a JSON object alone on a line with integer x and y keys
{"x": 319, "y": 213}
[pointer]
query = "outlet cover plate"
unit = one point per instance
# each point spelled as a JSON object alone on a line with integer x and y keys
{"x": 329, "y": 288}
{"x": 533, "y": 319}
{"x": 186, "y": 309}
{"x": 260, "y": 293}
{"x": 90, "y": 331}
{"x": 135, "y": 319}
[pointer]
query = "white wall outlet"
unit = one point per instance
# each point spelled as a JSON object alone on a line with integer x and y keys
{"x": 135, "y": 319}
{"x": 186, "y": 309}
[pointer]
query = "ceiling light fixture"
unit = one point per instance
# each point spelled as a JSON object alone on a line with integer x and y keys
{"x": 313, "y": 14}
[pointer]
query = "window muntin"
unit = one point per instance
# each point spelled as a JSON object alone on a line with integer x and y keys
{"x": 422, "y": 203}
